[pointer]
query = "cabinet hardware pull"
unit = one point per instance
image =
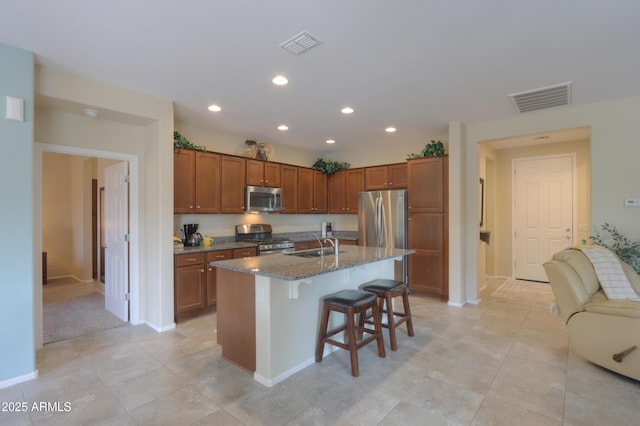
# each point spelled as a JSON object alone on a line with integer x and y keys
{"x": 201, "y": 270}
{"x": 210, "y": 269}
{"x": 197, "y": 207}
{"x": 191, "y": 259}
{"x": 219, "y": 256}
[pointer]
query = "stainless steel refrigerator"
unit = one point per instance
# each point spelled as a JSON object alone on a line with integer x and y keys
{"x": 382, "y": 222}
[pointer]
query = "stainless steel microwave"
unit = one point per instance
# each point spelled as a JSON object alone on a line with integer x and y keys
{"x": 263, "y": 199}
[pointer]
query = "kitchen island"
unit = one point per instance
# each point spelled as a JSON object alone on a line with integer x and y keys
{"x": 269, "y": 307}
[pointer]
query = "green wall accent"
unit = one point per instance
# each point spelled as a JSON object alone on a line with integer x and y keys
{"x": 17, "y": 357}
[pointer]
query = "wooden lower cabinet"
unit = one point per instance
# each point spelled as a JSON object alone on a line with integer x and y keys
{"x": 195, "y": 282}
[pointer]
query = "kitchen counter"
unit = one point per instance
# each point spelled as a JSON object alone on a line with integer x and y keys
{"x": 292, "y": 268}
{"x": 269, "y": 307}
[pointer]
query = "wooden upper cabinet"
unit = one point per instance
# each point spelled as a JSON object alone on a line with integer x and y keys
{"x": 427, "y": 184}
{"x": 232, "y": 179}
{"x": 343, "y": 188}
{"x": 184, "y": 181}
{"x": 375, "y": 178}
{"x": 320, "y": 191}
{"x": 289, "y": 189}
{"x": 312, "y": 191}
{"x": 354, "y": 186}
{"x": 397, "y": 176}
{"x": 207, "y": 182}
{"x": 261, "y": 173}
{"x": 391, "y": 176}
{"x": 272, "y": 175}
{"x": 336, "y": 185}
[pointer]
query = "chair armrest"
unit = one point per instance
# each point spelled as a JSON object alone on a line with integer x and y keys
{"x": 620, "y": 308}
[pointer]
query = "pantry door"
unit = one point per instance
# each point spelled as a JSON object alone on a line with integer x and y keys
{"x": 116, "y": 212}
{"x": 544, "y": 212}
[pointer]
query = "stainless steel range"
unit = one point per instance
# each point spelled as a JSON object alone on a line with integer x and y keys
{"x": 260, "y": 233}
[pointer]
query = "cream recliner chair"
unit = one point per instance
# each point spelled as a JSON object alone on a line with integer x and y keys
{"x": 606, "y": 332}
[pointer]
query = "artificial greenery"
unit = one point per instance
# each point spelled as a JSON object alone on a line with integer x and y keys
{"x": 627, "y": 250}
{"x": 329, "y": 167}
{"x": 180, "y": 141}
{"x": 433, "y": 149}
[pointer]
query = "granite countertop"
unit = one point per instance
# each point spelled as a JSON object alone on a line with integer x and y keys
{"x": 292, "y": 268}
{"x": 214, "y": 247}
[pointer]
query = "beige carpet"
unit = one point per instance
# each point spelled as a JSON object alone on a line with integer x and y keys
{"x": 72, "y": 309}
{"x": 525, "y": 291}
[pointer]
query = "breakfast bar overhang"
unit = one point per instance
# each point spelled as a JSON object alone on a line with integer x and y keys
{"x": 268, "y": 307}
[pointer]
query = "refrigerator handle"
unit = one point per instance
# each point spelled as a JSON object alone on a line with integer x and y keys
{"x": 379, "y": 222}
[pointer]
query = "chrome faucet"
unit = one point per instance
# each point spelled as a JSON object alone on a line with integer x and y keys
{"x": 334, "y": 244}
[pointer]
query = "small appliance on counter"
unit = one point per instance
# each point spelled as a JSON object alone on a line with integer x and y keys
{"x": 192, "y": 237}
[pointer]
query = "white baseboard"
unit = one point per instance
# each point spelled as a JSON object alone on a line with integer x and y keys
{"x": 270, "y": 382}
{"x": 161, "y": 329}
{"x": 455, "y": 304}
{"x": 19, "y": 379}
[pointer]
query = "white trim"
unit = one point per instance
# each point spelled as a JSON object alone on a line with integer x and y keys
{"x": 457, "y": 304}
{"x": 169, "y": 327}
{"x": 19, "y": 379}
{"x": 134, "y": 224}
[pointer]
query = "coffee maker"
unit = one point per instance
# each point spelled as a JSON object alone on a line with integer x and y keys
{"x": 192, "y": 238}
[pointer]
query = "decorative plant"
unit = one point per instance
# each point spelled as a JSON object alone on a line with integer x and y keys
{"x": 627, "y": 250}
{"x": 180, "y": 141}
{"x": 329, "y": 167}
{"x": 433, "y": 149}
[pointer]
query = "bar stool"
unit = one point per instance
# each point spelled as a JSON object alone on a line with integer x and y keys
{"x": 350, "y": 302}
{"x": 386, "y": 290}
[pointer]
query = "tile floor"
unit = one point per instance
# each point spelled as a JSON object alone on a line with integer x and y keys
{"x": 498, "y": 363}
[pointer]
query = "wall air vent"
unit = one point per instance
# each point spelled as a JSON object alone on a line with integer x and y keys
{"x": 300, "y": 43}
{"x": 545, "y": 97}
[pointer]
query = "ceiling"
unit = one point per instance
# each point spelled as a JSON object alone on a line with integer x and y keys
{"x": 414, "y": 65}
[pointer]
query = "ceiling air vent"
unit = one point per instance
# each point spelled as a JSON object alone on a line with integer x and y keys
{"x": 545, "y": 97}
{"x": 300, "y": 43}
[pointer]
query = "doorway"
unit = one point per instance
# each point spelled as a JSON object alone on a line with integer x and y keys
{"x": 133, "y": 275}
{"x": 74, "y": 301}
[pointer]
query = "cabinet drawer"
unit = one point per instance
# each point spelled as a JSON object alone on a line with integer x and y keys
{"x": 214, "y": 256}
{"x": 189, "y": 259}
{"x": 244, "y": 252}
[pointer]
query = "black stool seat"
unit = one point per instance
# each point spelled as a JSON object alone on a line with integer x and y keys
{"x": 386, "y": 290}
{"x": 350, "y": 302}
{"x": 350, "y": 298}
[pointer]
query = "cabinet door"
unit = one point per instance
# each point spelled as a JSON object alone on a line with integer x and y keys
{"x": 184, "y": 181}
{"x": 255, "y": 172}
{"x": 190, "y": 284}
{"x": 397, "y": 175}
{"x": 302, "y": 245}
{"x": 207, "y": 182}
{"x": 211, "y": 272}
{"x": 319, "y": 192}
{"x": 289, "y": 189}
{"x": 232, "y": 178}
{"x": 272, "y": 176}
{"x": 427, "y": 265}
{"x": 375, "y": 178}
{"x": 305, "y": 190}
{"x": 426, "y": 184}
{"x": 354, "y": 186}
{"x": 336, "y": 185}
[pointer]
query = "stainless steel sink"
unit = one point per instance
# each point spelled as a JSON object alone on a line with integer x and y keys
{"x": 327, "y": 251}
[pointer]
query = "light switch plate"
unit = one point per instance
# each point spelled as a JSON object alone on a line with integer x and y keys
{"x": 632, "y": 202}
{"x": 15, "y": 108}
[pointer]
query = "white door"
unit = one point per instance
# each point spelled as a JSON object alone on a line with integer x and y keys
{"x": 543, "y": 212}
{"x": 116, "y": 215}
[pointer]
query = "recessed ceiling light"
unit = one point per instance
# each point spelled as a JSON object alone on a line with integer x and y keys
{"x": 347, "y": 110}
{"x": 214, "y": 108}
{"x": 390, "y": 129}
{"x": 280, "y": 80}
{"x": 283, "y": 127}
{"x": 90, "y": 112}
{"x": 330, "y": 141}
